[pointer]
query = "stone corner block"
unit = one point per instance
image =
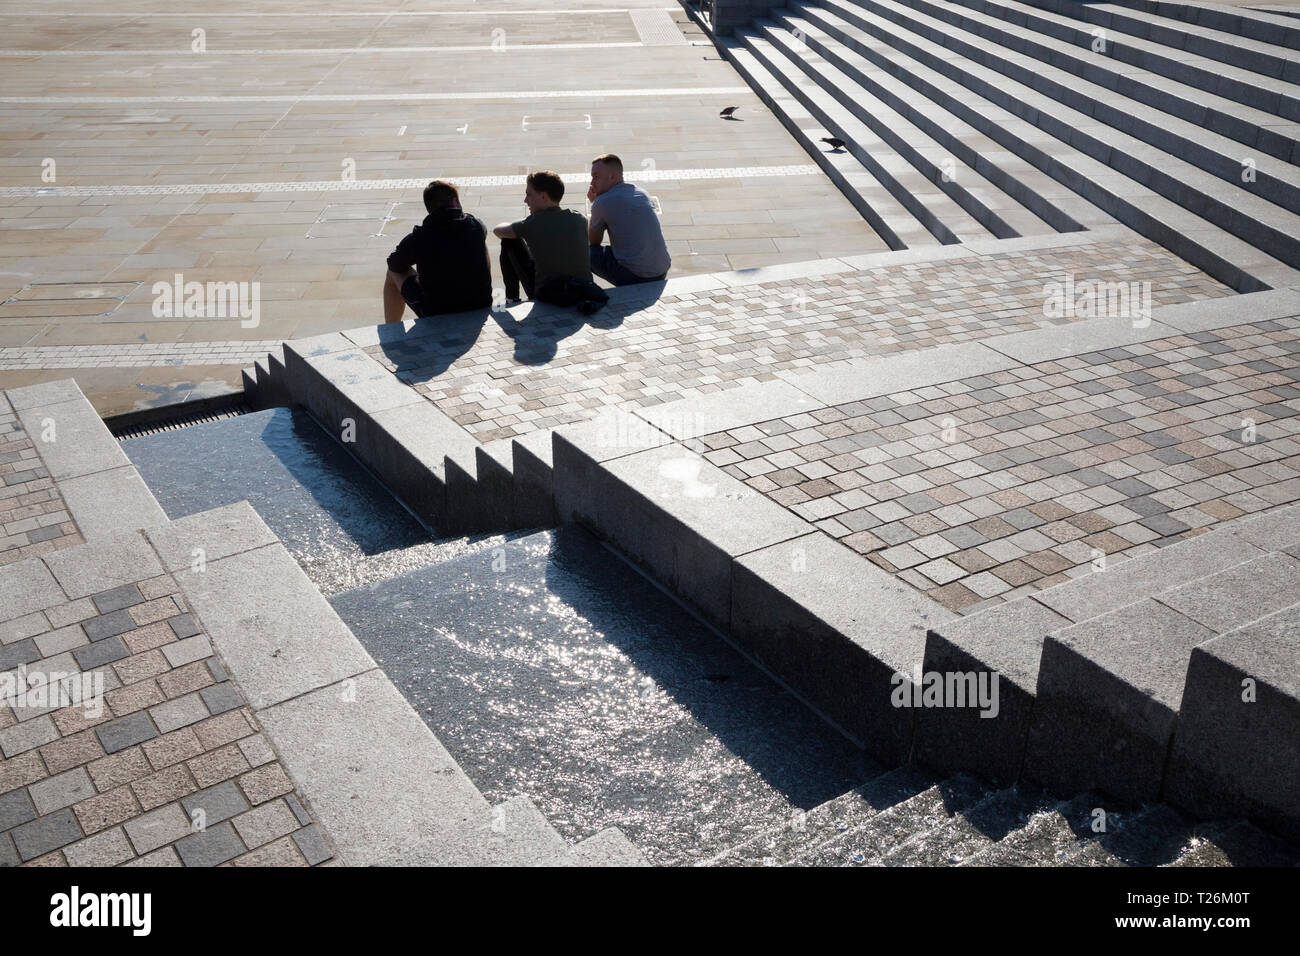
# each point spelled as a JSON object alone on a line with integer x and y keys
{"x": 839, "y": 631}
{"x": 211, "y": 535}
{"x": 1109, "y": 692}
{"x": 1001, "y": 646}
{"x": 1237, "y": 749}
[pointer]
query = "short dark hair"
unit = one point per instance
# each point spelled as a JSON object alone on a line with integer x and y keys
{"x": 545, "y": 181}
{"x": 610, "y": 160}
{"x": 440, "y": 194}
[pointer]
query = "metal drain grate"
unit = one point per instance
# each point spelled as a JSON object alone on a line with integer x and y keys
{"x": 154, "y": 420}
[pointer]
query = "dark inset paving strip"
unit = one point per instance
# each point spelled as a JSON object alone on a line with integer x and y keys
{"x": 549, "y": 668}
{"x": 343, "y": 527}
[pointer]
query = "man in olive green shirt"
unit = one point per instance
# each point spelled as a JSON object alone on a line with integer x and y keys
{"x": 551, "y": 244}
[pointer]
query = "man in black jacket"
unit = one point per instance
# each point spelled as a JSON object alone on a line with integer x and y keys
{"x": 449, "y": 250}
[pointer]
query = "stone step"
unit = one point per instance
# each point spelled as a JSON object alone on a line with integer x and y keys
{"x": 953, "y": 88}
{"x": 1236, "y": 843}
{"x": 513, "y": 833}
{"x": 827, "y": 821}
{"x": 1247, "y": 125}
{"x": 1253, "y": 128}
{"x": 1110, "y": 689}
{"x": 609, "y": 847}
{"x": 1237, "y": 750}
{"x": 1268, "y": 57}
{"x": 1142, "y": 168}
{"x": 1175, "y": 598}
{"x": 1273, "y": 95}
{"x": 970, "y": 831}
{"x": 271, "y": 381}
{"x": 1151, "y": 836}
{"x": 248, "y": 377}
{"x": 933, "y": 209}
{"x": 1257, "y": 24}
{"x": 869, "y": 843}
{"x": 853, "y": 112}
{"x": 1075, "y": 80}
{"x": 1052, "y": 837}
{"x": 873, "y": 200}
{"x": 1006, "y": 172}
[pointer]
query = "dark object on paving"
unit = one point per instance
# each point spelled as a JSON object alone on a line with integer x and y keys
{"x": 836, "y": 143}
{"x": 727, "y": 113}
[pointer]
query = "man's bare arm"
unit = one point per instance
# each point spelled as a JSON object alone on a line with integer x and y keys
{"x": 504, "y": 231}
{"x": 595, "y": 233}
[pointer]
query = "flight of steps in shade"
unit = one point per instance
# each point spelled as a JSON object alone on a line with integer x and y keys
{"x": 970, "y": 118}
{"x": 1131, "y": 680}
{"x": 912, "y": 817}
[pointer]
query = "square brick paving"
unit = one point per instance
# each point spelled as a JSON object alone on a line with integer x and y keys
{"x": 501, "y": 378}
{"x": 991, "y": 487}
{"x": 167, "y": 768}
{"x": 33, "y": 517}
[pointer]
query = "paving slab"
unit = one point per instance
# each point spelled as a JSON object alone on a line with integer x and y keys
{"x": 377, "y": 777}
{"x": 1103, "y": 591}
{"x": 210, "y": 536}
{"x": 843, "y": 634}
{"x": 1235, "y": 751}
{"x": 693, "y": 417}
{"x": 1109, "y": 692}
{"x": 1006, "y": 640}
{"x": 271, "y": 626}
{"x": 1233, "y": 598}
{"x": 133, "y": 505}
{"x": 27, "y": 586}
{"x": 513, "y": 833}
{"x": 71, "y": 438}
{"x": 861, "y": 380}
{"x": 115, "y": 559}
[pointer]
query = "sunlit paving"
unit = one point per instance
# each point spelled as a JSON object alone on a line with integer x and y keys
{"x": 813, "y": 433}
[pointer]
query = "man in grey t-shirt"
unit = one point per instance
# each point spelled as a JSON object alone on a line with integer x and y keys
{"x": 636, "y": 251}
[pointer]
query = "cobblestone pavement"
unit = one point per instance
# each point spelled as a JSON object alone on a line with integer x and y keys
{"x": 501, "y": 378}
{"x": 33, "y": 517}
{"x": 165, "y": 767}
{"x": 997, "y": 485}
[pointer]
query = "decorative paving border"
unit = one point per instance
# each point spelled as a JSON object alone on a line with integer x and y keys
{"x": 33, "y": 516}
{"x": 993, "y": 486}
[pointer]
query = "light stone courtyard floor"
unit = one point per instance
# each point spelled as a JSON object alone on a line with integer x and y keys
{"x": 295, "y": 158}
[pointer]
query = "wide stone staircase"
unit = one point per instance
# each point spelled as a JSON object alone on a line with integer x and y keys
{"x": 977, "y": 118}
{"x": 1157, "y": 677}
{"x": 912, "y": 817}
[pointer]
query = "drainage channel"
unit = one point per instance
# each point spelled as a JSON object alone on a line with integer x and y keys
{"x": 545, "y": 665}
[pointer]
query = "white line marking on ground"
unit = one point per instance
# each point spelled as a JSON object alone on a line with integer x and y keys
{"x": 384, "y": 97}
{"x": 324, "y": 15}
{"x": 320, "y": 51}
{"x": 368, "y": 185}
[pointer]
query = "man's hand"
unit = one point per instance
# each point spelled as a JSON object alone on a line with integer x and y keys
{"x": 591, "y": 193}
